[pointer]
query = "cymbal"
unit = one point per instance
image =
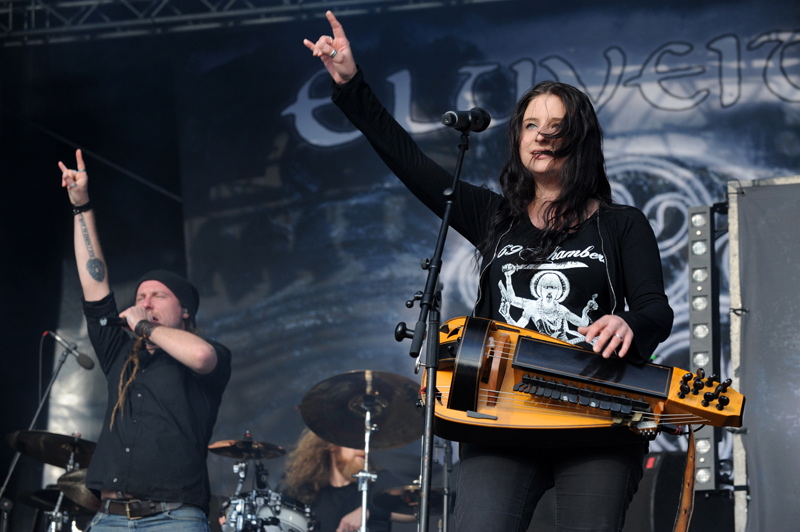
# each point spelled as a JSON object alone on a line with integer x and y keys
{"x": 406, "y": 499}
{"x": 336, "y": 408}
{"x": 73, "y": 484}
{"x": 50, "y": 448}
{"x": 46, "y": 499}
{"x": 246, "y": 449}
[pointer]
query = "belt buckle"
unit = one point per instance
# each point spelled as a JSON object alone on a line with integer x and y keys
{"x": 128, "y": 510}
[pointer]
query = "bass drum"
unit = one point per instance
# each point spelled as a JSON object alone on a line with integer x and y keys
{"x": 284, "y": 514}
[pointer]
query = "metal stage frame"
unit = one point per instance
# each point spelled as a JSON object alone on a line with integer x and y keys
{"x": 48, "y": 22}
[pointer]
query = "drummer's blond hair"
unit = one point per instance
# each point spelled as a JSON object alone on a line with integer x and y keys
{"x": 308, "y": 468}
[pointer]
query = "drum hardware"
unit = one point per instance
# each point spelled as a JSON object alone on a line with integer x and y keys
{"x": 282, "y": 514}
{"x": 406, "y": 499}
{"x": 53, "y": 449}
{"x": 267, "y": 511}
{"x": 447, "y": 490}
{"x": 335, "y": 409}
{"x": 73, "y": 485}
{"x": 344, "y": 407}
{"x": 69, "y": 452}
{"x": 246, "y": 449}
{"x": 45, "y": 500}
{"x": 260, "y": 509}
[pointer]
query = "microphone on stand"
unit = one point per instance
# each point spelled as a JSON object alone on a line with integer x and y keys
{"x": 476, "y": 119}
{"x": 83, "y": 360}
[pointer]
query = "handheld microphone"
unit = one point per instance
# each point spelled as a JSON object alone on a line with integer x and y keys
{"x": 83, "y": 360}
{"x": 113, "y": 321}
{"x": 476, "y": 119}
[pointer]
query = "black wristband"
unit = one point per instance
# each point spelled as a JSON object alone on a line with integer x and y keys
{"x": 77, "y": 209}
{"x": 144, "y": 328}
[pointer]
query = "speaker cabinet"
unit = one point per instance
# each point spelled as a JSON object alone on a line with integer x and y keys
{"x": 655, "y": 505}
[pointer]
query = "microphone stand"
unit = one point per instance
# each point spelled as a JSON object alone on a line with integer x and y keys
{"x": 430, "y": 301}
{"x": 61, "y": 360}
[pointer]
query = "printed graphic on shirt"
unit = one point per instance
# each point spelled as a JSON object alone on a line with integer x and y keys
{"x": 542, "y": 308}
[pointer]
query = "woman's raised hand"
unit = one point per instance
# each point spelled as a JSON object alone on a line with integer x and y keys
{"x": 334, "y": 51}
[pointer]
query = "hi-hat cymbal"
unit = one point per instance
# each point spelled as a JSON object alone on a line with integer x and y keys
{"x": 246, "y": 449}
{"x": 46, "y": 499}
{"x": 406, "y": 499}
{"x": 335, "y": 409}
{"x": 73, "y": 484}
{"x": 50, "y": 448}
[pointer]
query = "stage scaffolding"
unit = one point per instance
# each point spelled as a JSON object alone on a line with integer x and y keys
{"x": 48, "y": 22}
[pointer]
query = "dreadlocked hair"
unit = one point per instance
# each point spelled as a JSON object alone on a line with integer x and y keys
{"x": 133, "y": 359}
{"x": 308, "y": 468}
{"x": 579, "y": 142}
{"x": 124, "y": 384}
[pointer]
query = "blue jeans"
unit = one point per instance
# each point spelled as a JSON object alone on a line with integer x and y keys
{"x": 183, "y": 519}
{"x": 498, "y": 488}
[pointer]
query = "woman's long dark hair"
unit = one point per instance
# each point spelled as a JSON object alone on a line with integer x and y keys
{"x": 579, "y": 141}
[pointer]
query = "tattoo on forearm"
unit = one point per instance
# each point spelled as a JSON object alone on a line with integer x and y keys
{"x": 94, "y": 266}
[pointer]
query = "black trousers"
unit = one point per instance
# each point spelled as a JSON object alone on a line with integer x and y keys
{"x": 498, "y": 488}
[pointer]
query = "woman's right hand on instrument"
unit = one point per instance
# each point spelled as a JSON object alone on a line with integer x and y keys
{"x": 334, "y": 52}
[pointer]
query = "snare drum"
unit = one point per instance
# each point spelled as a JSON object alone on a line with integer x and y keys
{"x": 284, "y": 514}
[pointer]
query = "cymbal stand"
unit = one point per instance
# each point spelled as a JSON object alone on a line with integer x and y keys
{"x": 430, "y": 301}
{"x": 240, "y": 468}
{"x": 45, "y": 395}
{"x": 447, "y": 469}
{"x": 56, "y": 516}
{"x": 364, "y": 476}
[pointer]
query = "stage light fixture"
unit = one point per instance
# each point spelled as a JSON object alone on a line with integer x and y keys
{"x": 700, "y": 359}
{"x": 704, "y": 331}
{"x": 700, "y": 303}
{"x": 703, "y": 475}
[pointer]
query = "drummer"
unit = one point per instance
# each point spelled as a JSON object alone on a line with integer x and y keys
{"x": 165, "y": 386}
{"x": 320, "y": 475}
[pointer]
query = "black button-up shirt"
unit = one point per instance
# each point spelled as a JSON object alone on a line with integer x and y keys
{"x": 158, "y": 447}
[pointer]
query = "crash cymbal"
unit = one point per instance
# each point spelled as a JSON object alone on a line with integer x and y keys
{"x": 335, "y": 409}
{"x": 46, "y": 500}
{"x": 73, "y": 484}
{"x": 50, "y": 448}
{"x": 406, "y": 499}
{"x": 246, "y": 449}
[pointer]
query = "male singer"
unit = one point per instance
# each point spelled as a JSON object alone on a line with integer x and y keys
{"x": 164, "y": 389}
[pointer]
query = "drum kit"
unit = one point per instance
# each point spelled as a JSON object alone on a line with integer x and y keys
{"x": 260, "y": 509}
{"x": 70, "y": 500}
{"x": 368, "y": 410}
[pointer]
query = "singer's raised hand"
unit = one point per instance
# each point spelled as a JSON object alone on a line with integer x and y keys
{"x": 75, "y": 180}
{"x": 88, "y": 253}
{"x": 334, "y": 51}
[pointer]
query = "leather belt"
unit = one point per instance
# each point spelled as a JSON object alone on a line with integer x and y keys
{"x": 135, "y": 508}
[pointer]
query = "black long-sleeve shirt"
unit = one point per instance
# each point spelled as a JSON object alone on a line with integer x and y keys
{"x": 158, "y": 446}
